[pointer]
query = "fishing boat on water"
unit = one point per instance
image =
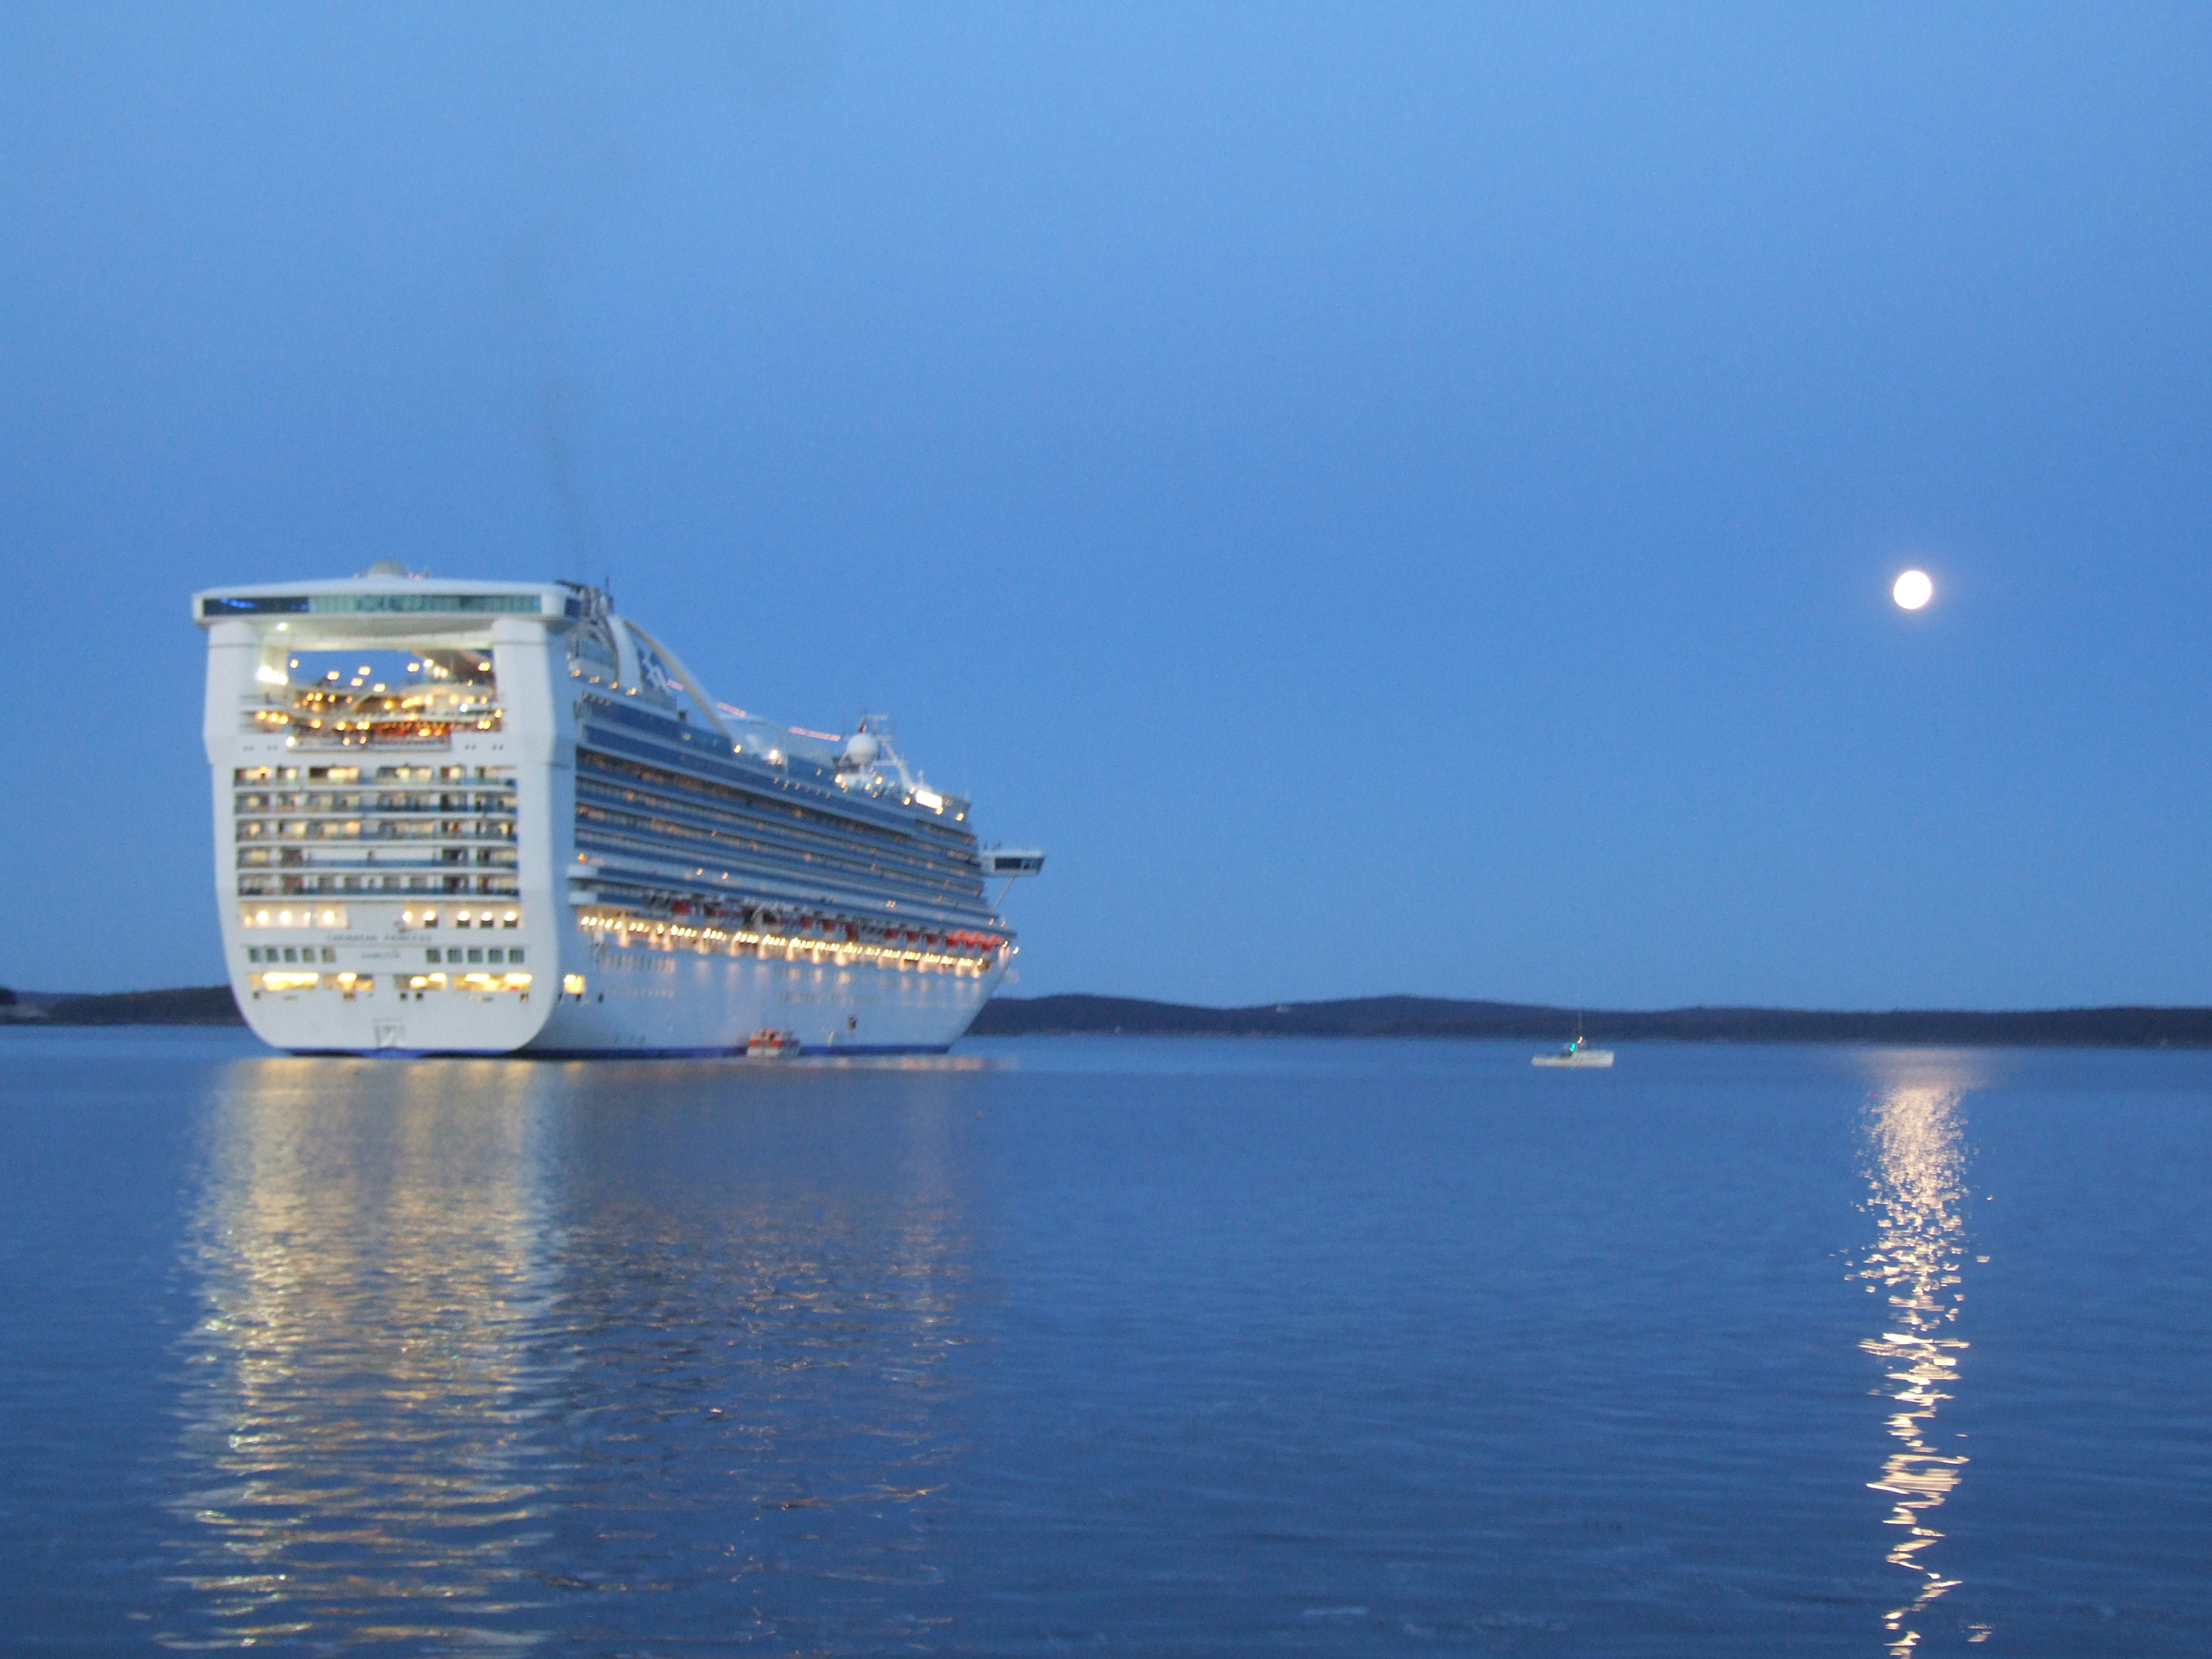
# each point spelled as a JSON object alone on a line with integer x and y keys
{"x": 1577, "y": 1056}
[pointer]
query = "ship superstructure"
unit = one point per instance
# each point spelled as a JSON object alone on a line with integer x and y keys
{"x": 481, "y": 818}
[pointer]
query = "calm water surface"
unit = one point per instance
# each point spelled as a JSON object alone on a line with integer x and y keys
{"x": 1120, "y": 1346}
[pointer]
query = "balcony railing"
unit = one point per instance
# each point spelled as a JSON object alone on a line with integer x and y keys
{"x": 356, "y": 831}
{"x": 287, "y": 884}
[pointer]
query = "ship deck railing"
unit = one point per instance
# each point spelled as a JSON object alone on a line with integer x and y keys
{"x": 247, "y": 836}
{"x": 388, "y": 882}
{"x": 487, "y": 858}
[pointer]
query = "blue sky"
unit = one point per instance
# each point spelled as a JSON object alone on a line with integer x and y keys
{"x": 1394, "y": 499}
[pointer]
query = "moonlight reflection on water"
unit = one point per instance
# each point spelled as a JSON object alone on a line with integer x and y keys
{"x": 1916, "y": 1135}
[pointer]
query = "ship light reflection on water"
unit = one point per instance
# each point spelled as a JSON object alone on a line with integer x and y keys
{"x": 479, "y": 1366}
{"x": 1916, "y": 1133}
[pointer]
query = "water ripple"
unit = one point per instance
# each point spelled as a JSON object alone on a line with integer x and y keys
{"x": 1915, "y": 1132}
{"x": 434, "y": 1399}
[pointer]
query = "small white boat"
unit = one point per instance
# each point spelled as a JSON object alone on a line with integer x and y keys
{"x": 767, "y": 1044}
{"x": 1578, "y": 1055}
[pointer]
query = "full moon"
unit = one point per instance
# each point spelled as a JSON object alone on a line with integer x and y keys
{"x": 1913, "y": 590}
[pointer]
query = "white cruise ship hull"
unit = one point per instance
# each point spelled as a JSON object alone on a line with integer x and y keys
{"x": 494, "y": 828}
{"x": 643, "y": 1001}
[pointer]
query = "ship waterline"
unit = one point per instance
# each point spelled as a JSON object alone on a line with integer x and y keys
{"x": 492, "y": 817}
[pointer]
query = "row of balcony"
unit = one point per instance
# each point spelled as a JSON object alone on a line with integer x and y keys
{"x": 357, "y": 829}
{"x": 494, "y": 800}
{"x": 447, "y": 884}
{"x": 262, "y": 858}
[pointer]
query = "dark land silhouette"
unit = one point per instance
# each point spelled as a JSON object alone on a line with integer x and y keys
{"x": 1078, "y": 1015}
{"x": 1437, "y": 1016}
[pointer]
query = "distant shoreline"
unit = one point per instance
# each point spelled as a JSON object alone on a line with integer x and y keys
{"x": 1437, "y": 1016}
{"x": 188, "y": 1004}
{"x": 1080, "y": 1015}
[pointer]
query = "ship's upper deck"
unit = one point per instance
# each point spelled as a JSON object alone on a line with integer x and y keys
{"x": 447, "y": 627}
{"x": 357, "y": 609}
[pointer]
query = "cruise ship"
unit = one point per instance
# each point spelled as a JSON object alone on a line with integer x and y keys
{"x": 479, "y": 817}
